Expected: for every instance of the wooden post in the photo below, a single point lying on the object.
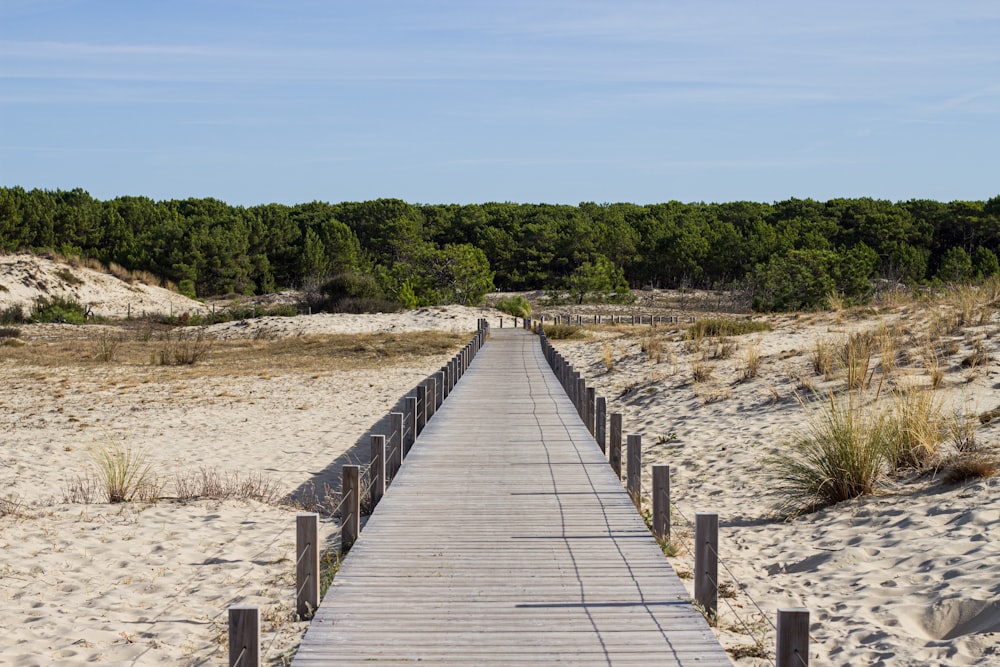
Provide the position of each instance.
(244, 636)
(591, 416)
(792, 643)
(445, 388)
(377, 469)
(601, 423)
(431, 405)
(706, 562)
(395, 446)
(306, 564)
(421, 407)
(409, 424)
(350, 511)
(661, 502)
(615, 445)
(581, 399)
(634, 471)
(439, 389)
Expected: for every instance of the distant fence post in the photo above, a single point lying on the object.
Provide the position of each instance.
(634, 471)
(706, 562)
(615, 445)
(377, 468)
(244, 636)
(421, 407)
(661, 502)
(395, 443)
(350, 511)
(792, 642)
(409, 424)
(601, 423)
(306, 564)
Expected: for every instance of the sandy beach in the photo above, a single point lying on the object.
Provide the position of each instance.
(905, 577)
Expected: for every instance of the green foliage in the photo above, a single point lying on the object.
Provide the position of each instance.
(186, 287)
(407, 296)
(517, 306)
(58, 309)
(599, 281)
(793, 253)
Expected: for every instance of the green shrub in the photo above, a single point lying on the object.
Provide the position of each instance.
(58, 309)
(517, 306)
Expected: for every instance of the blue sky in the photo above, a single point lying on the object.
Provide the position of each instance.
(466, 101)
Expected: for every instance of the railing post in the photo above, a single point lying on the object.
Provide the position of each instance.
(431, 404)
(438, 389)
(661, 502)
(706, 563)
(445, 385)
(306, 564)
(601, 423)
(792, 642)
(591, 398)
(409, 424)
(421, 407)
(615, 445)
(350, 511)
(634, 471)
(244, 636)
(377, 468)
(581, 398)
(395, 446)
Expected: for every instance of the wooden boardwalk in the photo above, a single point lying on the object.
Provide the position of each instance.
(507, 540)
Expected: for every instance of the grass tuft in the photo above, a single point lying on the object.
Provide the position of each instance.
(124, 474)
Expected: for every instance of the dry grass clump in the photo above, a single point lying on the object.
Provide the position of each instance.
(751, 361)
(839, 455)
(822, 357)
(564, 331)
(967, 466)
(855, 359)
(209, 483)
(608, 357)
(652, 346)
(124, 474)
(701, 370)
(933, 365)
(725, 327)
(915, 430)
(182, 349)
(13, 506)
(10, 332)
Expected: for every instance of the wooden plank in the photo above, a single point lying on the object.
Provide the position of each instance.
(506, 539)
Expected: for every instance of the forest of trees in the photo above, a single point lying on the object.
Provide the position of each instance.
(786, 255)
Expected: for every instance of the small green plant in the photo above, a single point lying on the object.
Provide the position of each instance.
(517, 306)
(124, 473)
(58, 309)
(839, 456)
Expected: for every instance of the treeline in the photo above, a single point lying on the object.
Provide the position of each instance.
(786, 255)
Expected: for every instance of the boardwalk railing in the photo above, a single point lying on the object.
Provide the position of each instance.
(792, 629)
(362, 489)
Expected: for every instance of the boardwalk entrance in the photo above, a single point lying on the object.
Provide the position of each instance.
(507, 540)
